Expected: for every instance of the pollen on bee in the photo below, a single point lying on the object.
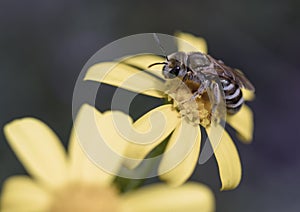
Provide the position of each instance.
(196, 110)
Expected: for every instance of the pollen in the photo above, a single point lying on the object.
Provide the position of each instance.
(82, 197)
(196, 109)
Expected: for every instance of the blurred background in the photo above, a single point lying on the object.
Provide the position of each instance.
(45, 44)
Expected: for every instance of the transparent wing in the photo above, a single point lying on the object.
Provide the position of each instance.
(232, 74)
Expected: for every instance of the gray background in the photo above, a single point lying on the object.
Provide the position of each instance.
(44, 45)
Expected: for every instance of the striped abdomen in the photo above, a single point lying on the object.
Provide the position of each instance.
(233, 96)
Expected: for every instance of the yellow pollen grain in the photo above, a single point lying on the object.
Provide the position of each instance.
(197, 111)
(88, 198)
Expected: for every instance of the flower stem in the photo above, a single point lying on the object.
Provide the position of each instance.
(127, 184)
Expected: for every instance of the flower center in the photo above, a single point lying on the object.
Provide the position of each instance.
(196, 110)
(90, 198)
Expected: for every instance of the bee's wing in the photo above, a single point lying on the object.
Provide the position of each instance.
(242, 80)
(232, 74)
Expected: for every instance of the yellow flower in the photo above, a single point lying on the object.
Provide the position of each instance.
(71, 182)
(127, 74)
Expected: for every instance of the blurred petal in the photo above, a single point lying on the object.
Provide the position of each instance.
(248, 95)
(191, 197)
(242, 122)
(150, 124)
(143, 61)
(181, 155)
(228, 160)
(39, 150)
(82, 168)
(190, 43)
(90, 158)
(126, 77)
(22, 194)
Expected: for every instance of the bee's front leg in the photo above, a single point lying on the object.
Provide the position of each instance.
(202, 88)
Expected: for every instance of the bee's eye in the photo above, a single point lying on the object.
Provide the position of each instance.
(175, 70)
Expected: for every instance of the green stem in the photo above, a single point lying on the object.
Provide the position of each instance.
(127, 184)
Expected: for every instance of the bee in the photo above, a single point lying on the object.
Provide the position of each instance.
(202, 73)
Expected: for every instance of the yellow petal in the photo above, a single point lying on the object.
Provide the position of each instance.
(227, 158)
(248, 95)
(242, 122)
(89, 151)
(190, 43)
(191, 197)
(181, 155)
(143, 61)
(23, 194)
(39, 150)
(126, 77)
(82, 169)
(161, 127)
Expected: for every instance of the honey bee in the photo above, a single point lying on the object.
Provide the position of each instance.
(202, 73)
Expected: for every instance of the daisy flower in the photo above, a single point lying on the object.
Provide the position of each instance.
(182, 151)
(65, 182)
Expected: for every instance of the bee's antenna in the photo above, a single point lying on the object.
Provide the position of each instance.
(160, 46)
(160, 63)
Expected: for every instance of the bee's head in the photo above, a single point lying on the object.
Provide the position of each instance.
(172, 69)
(175, 66)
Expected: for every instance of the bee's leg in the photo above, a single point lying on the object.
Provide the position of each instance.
(199, 92)
(187, 76)
(215, 97)
(203, 86)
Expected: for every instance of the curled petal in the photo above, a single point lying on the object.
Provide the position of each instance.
(242, 122)
(126, 77)
(181, 155)
(228, 160)
(111, 137)
(144, 61)
(190, 197)
(143, 135)
(248, 95)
